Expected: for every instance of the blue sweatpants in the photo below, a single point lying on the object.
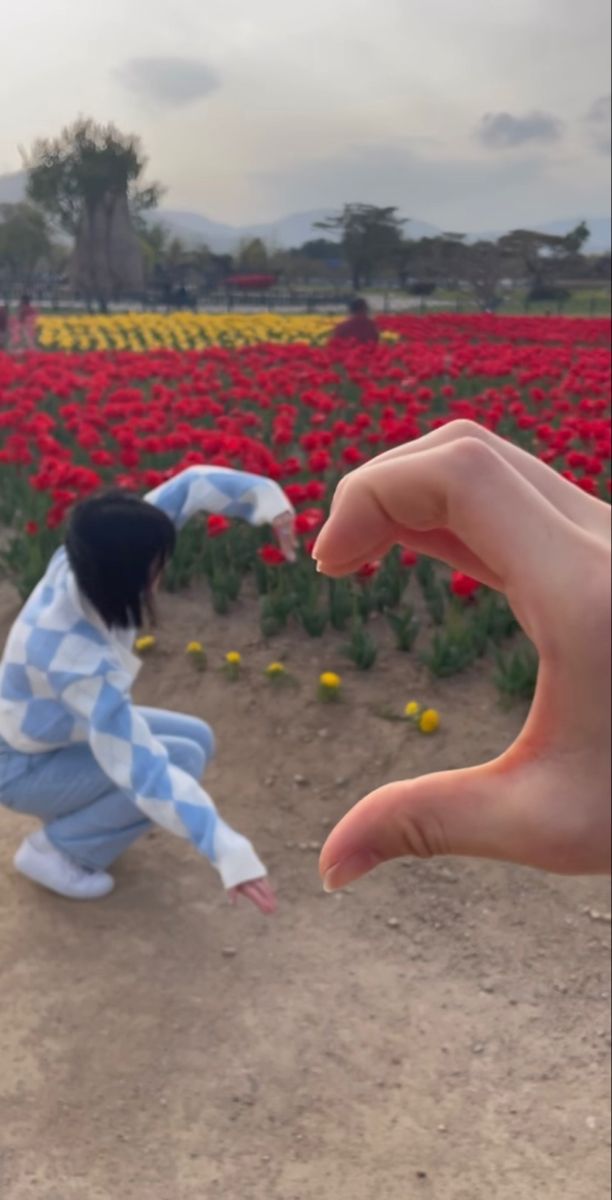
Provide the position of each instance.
(84, 814)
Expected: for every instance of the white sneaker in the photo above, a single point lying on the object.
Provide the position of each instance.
(39, 861)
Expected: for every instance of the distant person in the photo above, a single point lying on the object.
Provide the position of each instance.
(182, 297)
(359, 327)
(4, 322)
(22, 327)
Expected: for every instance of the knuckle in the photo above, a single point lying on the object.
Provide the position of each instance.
(422, 834)
(464, 428)
(471, 458)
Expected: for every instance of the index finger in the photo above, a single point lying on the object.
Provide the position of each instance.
(465, 488)
(591, 514)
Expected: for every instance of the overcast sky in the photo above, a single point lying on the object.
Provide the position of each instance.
(467, 113)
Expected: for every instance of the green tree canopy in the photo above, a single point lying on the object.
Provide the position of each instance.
(370, 237)
(25, 242)
(88, 182)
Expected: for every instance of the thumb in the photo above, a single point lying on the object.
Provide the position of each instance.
(454, 812)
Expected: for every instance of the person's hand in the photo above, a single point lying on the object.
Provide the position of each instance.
(259, 891)
(284, 528)
(484, 506)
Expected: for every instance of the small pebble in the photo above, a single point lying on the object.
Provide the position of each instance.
(300, 780)
(314, 846)
(595, 915)
(393, 923)
(478, 1048)
(229, 951)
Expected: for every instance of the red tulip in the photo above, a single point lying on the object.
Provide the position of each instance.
(463, 585)
(216, 525)
(309, 520)
(368, 570)
(271, 555)
(319, 461)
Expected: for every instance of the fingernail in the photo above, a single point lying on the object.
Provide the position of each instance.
(318, 566)
(349, 869)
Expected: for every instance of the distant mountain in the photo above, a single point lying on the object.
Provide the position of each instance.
(193, 228)
(289, 231)
(297, 228)
(600, 228)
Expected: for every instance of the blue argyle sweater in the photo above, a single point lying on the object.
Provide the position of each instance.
(66, 678)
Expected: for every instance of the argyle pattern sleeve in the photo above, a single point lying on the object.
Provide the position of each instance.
(138, 763)
(222, 491)
(66, 679)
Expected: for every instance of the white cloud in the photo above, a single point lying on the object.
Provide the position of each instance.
(173, 81)
(506, 131)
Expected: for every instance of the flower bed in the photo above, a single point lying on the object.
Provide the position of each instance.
(304, 413)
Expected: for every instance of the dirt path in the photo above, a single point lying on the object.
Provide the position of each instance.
(159, 1046)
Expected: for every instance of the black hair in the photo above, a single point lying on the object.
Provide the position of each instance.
(116, 545)
(358, 306)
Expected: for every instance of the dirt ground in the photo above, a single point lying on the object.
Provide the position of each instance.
(161, 1046)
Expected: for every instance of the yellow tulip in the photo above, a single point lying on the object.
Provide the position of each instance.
(429, 721)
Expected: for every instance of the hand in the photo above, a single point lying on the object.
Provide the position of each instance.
(284, 528)
(259, 891)
(489, 509)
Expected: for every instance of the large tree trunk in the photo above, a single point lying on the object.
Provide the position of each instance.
(107, 261)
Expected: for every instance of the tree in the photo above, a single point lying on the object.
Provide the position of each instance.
(320, 250)
(577, 238)
(370, 236)
(432, 261)
(87, 180)
(253, 256)
(484, 267)
(153, 244)
(25, 243)
(170, 264)
(543, 256)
